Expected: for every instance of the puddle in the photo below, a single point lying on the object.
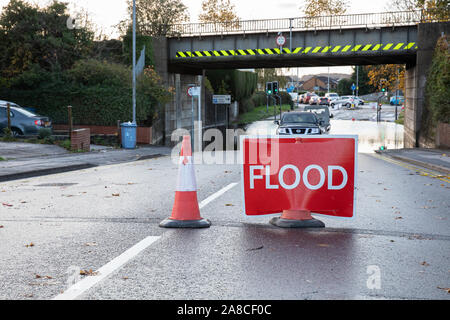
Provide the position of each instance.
(372, 135)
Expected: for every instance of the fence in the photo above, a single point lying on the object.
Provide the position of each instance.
(366, 20)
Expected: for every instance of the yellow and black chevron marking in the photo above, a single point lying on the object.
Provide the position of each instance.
(300, 50)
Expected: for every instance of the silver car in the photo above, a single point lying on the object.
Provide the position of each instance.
(23, 122)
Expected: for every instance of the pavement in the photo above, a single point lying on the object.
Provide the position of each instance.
(434, 159)
(25, 160)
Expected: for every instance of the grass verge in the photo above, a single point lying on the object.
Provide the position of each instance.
(259, 113)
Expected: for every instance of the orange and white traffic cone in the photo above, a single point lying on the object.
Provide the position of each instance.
(185, 212)
(296, 219)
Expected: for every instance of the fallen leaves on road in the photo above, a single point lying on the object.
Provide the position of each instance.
(229, 205)
(90, 244)
(43, 277)
(424, 263)
(31, 244)
(253, 249)
(1, 227)
(116, 194)
(417, 237)
(7, 204)
(445, 289)
(88, 272)
(323, 245)
(398, 218)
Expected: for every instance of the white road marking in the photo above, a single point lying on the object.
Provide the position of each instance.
(83, 285)
(217, 194)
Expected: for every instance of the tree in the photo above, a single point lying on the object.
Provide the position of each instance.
(31, 36)
(433, 9)
(344, 87)
(270, 75)
(217, 11)
(389, 73)
(363, 80)
(315, 8)
(156, 17)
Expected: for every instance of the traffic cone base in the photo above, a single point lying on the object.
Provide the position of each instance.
(172, 223)
(296, 219)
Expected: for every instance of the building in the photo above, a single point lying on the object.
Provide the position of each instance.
(319, 84)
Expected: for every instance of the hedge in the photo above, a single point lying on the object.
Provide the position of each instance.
(239, 84)
(100, 94)
(438, 83)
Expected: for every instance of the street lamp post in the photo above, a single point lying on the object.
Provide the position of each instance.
(134, 61)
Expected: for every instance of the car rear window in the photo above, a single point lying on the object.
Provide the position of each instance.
(24, 112)
(299, 117)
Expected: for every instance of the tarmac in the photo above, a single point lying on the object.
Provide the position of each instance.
(25, 160)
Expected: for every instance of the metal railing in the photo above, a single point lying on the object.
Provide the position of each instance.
(367, 20)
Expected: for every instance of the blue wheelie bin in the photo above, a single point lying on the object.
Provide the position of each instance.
(128, 130)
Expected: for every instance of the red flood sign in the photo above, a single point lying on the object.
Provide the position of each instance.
(314, 173)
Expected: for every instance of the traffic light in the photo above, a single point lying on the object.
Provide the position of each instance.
(275, 87)
(269, 88)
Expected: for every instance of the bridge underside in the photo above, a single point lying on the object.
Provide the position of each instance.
(196, 65)
(359, 46)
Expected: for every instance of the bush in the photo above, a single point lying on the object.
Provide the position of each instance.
(438, 83)
(99, 93)
(239, 84)
(286, 98)
(259, 99)
(44, 133)
(246, 105)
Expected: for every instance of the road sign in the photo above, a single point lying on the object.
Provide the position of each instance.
(281, 40)
(221, 99)
(193, 91)
(353, 87)
(311, 173)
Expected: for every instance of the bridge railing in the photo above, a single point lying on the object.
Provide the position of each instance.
(368, 20)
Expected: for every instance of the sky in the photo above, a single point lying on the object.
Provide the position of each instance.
(107, 13)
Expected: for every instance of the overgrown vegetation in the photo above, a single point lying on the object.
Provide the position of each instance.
(45, 65)
(239, 84)
(437, 91)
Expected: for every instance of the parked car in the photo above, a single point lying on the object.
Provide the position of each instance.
(397, 100)
(358, 100)
(323, 101)
(300, 98)
(23, 122)
(307, 96)
(345, 101)
(331, 96)
(314, 99)
(299, 122)
(323, 114)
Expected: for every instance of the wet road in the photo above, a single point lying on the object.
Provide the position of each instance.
(84, 220)
(371, 135)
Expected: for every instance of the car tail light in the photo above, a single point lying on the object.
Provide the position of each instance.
(39, 122)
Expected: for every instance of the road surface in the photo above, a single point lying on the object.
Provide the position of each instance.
(106, 219)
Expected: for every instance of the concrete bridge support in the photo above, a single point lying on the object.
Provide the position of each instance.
(177, 112)
(415, 81)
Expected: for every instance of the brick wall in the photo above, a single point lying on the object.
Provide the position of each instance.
(81, 140)
(144, 134)
(443, 135)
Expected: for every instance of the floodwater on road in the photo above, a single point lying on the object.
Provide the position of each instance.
(371, 135)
